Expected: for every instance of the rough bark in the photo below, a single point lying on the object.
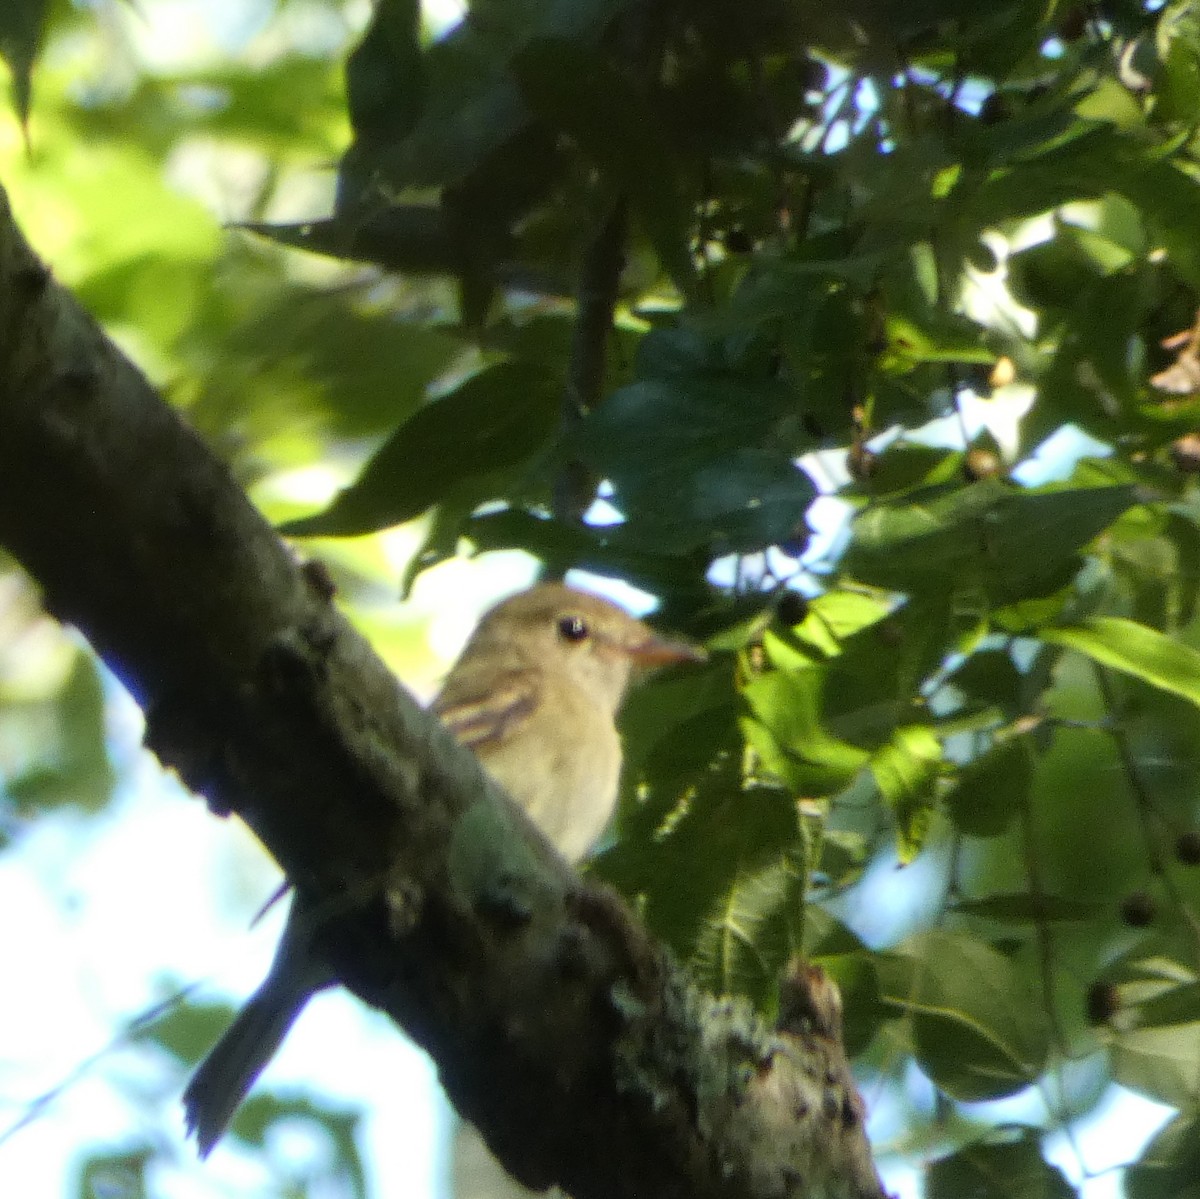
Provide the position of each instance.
(576, 1045)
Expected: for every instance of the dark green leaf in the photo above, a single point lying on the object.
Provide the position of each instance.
(751, 500)
(495, 422)
(22, 24)
(858, 983)
(722, 880)
(990, 677)
(1169, 1167)
(471, 102)
(1006, 543)
(577, 91)
(697, 463)
(753, 930)
(997, 1171)
(411, 238)
(1176, 1005)
(978, 1030)
(991, 791)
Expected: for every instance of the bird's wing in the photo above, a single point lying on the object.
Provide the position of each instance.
(483, 716)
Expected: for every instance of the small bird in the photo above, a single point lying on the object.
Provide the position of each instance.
(535, 694)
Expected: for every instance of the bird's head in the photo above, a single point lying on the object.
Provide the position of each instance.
(597, 644)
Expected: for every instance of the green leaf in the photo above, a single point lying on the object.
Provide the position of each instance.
(22, 25)
(122, 1173)
(254, 1119)
(657, 426)
(575, 90)
(752, 499)
(990, 677)
(997, 1171)
(494, 422)
(1008, 543)
(1176, 1005)
(411, 238)
(67, 760)
(563, 546)
(787, 703)
(190, 1030)
(1133, 648)
(656, 710)
(699, 463)
(1162, 1063)
(721, 879)
(753, 929)
(470, 102)
(1169, 1167)
(837, 615)
(904, 771)
(977, 1028)
(991, 791)
(858, 982)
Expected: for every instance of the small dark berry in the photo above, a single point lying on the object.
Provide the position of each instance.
(792, 608)
(1073, 24)
(995, 109)
(1187, 847)
(738, 241)
(1103, 1002)
(1138, 909)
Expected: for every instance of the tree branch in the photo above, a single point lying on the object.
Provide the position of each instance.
(582, 1053)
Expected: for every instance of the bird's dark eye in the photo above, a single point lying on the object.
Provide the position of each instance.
(573, 628)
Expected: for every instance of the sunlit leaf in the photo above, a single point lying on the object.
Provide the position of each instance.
(787, 704)
(1133, 648)
(904, 770)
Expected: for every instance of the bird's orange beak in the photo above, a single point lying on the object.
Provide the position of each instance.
(659, 651)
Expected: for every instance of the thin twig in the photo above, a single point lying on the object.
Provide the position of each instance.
(1145, 807)
(131, 1032)
(1057, 1101)
(596, 300)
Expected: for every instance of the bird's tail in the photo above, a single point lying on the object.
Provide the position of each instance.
(225, 1076)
